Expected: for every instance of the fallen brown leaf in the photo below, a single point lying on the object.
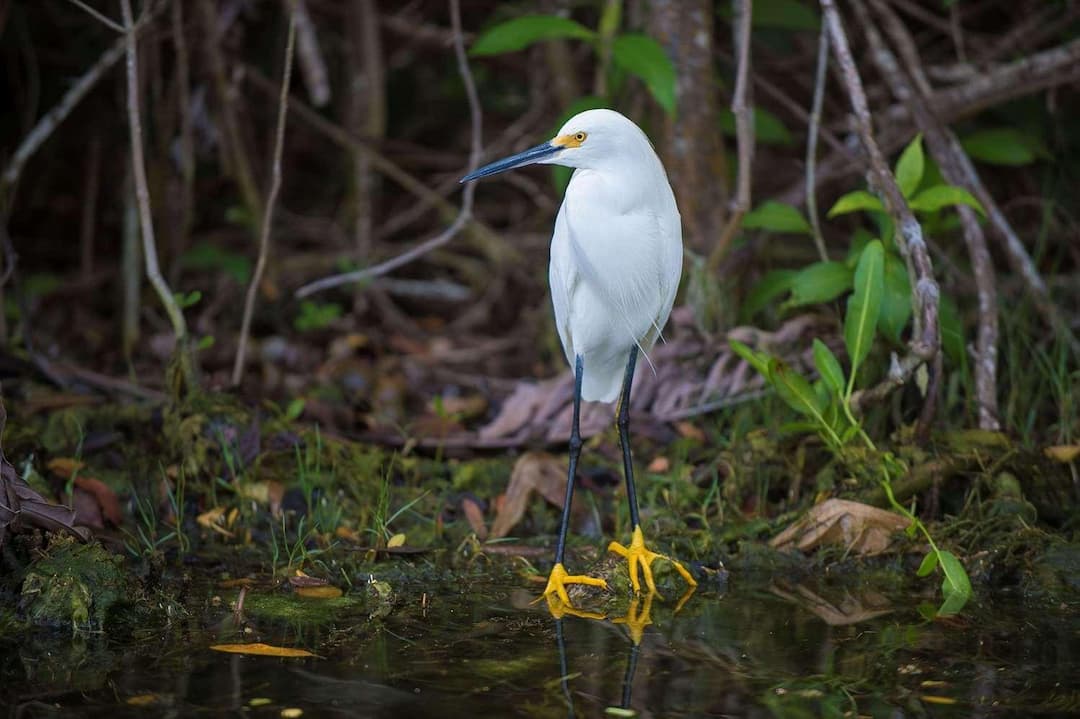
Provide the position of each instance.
(105, 496)
(475, 516)
(64, 467)
(321, 592)
(660, 465)
(689, 430)
(862, 529)
(304, 580)
(533, 472)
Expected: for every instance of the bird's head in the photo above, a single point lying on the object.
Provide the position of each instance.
(587, 140)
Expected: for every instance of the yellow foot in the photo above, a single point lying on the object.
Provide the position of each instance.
(557, 581)
(636, 620)
(637, 554)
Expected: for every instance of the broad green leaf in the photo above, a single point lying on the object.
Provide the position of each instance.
(909, 168)
(956, 586)
(819, 282)
(864, 306)
(519, 33)
(828, 366)
(757, 360)
(929, 563)
(796, 391)
(642, 56)
(855, 201)
(860, 238)
(895, 299)
(768, 128)
(560, 176)
(934, 198)
(783, 15)
(952, 331)
(768, 288)
(1004, 146)
(776, 217)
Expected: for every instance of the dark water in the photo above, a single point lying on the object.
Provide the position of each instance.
(483, 650)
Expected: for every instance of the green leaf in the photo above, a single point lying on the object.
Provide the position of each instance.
(934, 198)
(783, 15)
(768, 288)
(205, 256)
(895, 299)
(909, 168)
(929, 563)
(796, 391)
(776, 217)
(819, 282)
(864, 306)
(1004, 146)
(855, 201)
(828, 366)
(956, 586)
(642, 56)
(757, 360)
(519, 33)
(768, 128)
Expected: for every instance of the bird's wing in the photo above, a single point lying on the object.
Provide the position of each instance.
(626, 259)
(561, 277)
(671, 264)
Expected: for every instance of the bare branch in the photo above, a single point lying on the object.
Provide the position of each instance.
(309, 56)
(104, 20)
(820, 78)
(744, 132)
(271, 199)
(142, 195)
(467, 195)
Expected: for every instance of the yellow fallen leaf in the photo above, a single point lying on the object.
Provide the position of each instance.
(292, 713)
(1064, 453)
(142, 700)
(931, 699)
(398, 540)
(64, 467)
(347, 534)
(260, 702)
(262, 650)
(324, 592)
(212, 519)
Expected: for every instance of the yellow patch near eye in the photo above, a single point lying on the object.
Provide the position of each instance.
(572, 140)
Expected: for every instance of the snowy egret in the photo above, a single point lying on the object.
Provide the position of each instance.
(616, 260)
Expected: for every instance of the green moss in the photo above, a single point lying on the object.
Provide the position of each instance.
(74, 584)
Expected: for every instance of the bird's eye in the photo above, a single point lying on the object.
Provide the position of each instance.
(580, 137)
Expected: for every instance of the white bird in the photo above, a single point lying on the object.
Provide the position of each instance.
(616, 261)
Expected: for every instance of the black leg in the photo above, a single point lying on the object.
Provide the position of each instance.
(624, 438)
(564, 672)
(575, 452)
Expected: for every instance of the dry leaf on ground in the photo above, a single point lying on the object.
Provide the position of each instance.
(475, 515)
(262, 650)
(534, 472)
(862, 529)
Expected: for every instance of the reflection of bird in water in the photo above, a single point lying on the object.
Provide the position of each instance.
(616, 260)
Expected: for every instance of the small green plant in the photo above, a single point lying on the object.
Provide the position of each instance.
(147, 539)
(875, 275)
(316, 315)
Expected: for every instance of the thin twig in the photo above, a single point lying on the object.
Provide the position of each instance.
(271, 199)
(925, 341)
(309, 56)
(142, 195)
(946, 150)
(820, 78)
(104, 20)
(187, 125)
(744, 132)
(467, 195)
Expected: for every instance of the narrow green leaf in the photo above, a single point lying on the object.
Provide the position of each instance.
(783, 15)
(909, 168)
(934, 198)
(796, 391)
(642, 56)
(828, 366)
(895, 299)
(519, 33)
(776, 217)
(1004, 146)
(765, 290)
(819, 282)
(758, 360)
(855, 201)
(864, 306)
(929, 563)
(952, 331)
